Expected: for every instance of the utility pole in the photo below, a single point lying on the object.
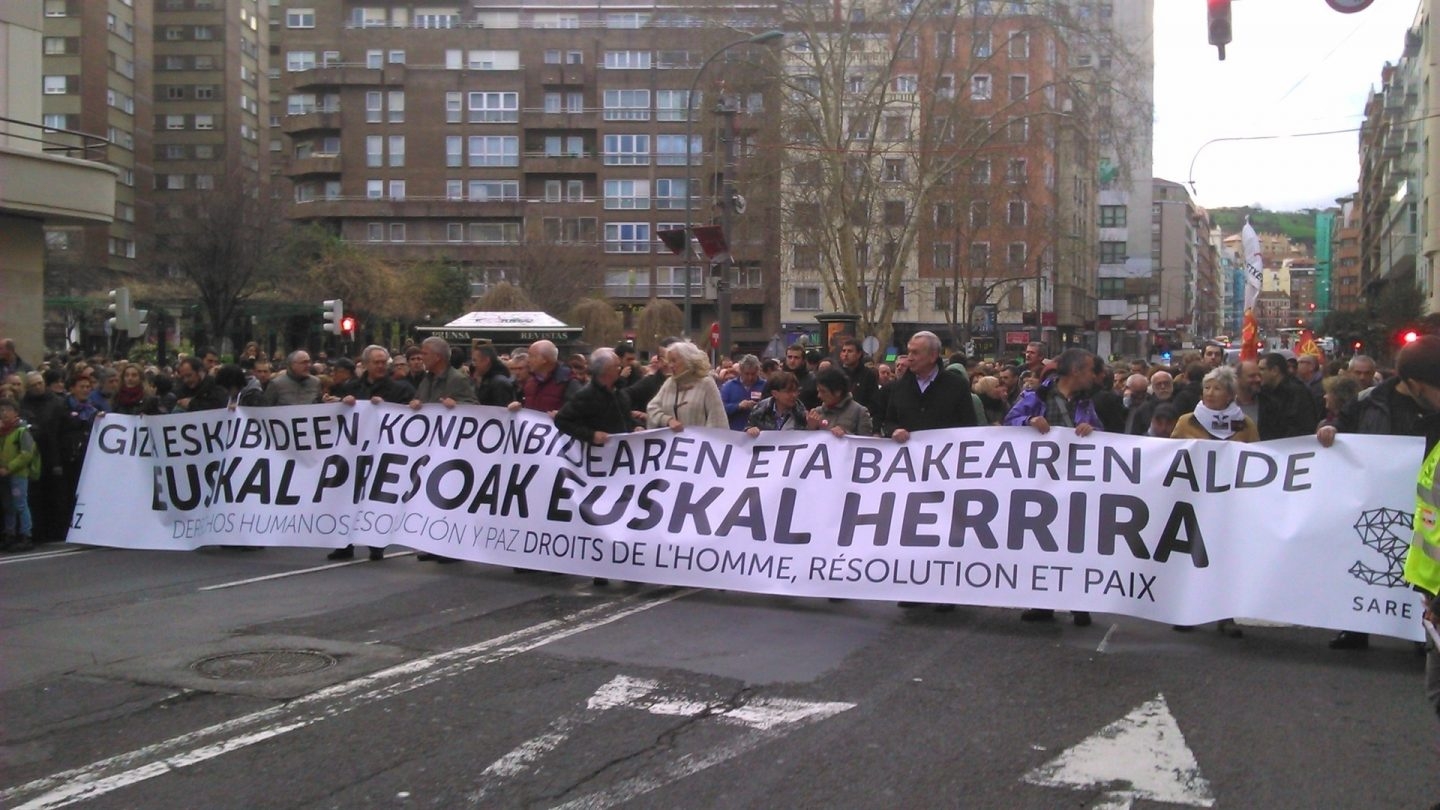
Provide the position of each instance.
(726, 109)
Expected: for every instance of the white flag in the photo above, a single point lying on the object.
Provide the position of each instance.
(1254, 263)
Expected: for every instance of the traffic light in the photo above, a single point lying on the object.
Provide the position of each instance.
(119, 309)
(1218, 12)
(347, 326)
(1408, 336)
(136, 324)
(333, 310)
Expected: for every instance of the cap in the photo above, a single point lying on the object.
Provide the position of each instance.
(1420, 360)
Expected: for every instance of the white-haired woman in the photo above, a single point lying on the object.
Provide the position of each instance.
(689, 396)
(1217, 418)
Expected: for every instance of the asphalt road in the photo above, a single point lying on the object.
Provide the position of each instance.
(180, 680)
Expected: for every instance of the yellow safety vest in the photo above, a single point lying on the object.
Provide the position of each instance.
(1422, 563)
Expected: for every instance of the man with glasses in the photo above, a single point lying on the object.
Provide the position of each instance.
(1162, 389)
(297, 386)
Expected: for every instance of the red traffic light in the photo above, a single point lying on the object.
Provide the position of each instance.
(1409, 336)
(1357, 345)
(1218, 14)
(347, 325)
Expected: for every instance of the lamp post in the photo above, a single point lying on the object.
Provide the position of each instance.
(758, 39)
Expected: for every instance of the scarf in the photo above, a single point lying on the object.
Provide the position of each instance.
(83, 411)
(129, 396)
(1220, 424)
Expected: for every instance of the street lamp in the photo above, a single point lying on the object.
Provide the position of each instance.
(759, 39)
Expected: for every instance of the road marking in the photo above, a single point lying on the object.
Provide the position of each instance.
(765, 719)
(1105, 642)
(119, 771)
(237, 583)
(35, 556)
(1140, 756)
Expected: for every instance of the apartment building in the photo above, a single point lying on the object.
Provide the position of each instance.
(95, 78)
(210, 109)
(1345, 278)
(938, 175)
(531, 143)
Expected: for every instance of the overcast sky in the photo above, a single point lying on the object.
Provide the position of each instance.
(1294, 66)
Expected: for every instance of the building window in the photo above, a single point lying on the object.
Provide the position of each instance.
(454, 151)
(374, 151)
(397, 151)
(300, 18)
(628, 150)
(627, 60)
(204, 121)
(397, 232)
(174, 122)
(627, 105)
(670, 194)
(175, 182)
(494, 190)
(945, 45)
(1016, 213)
(942, 255)
(942, 298)
(670, 150)
(627, 237)
(299, 60)
(494, 108)
(495, 233)
(906, 83)
(1019, 45)
(395, 57)
(893, 170)
(895, 128)
(396, 103)
(980, 87)
(980, 257)
(54, 45)
(374, 59)
(205, 182)
(55, 85)
(1112, 216)
(454, 189)
(494, 150)
(805, 298)
(373, 108)
(1019, 87)
(1112, 253)
(1015, 255)
(454, 101)
(374, 189)
(1015, 172)
(980, 46)
(375, 232)
(397, 189)
(205, 92)
(627, 194)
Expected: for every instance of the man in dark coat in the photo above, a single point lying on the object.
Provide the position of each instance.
(599, 409)
(924, 398)
(1286, 405)
(864, 385)
(373, 382)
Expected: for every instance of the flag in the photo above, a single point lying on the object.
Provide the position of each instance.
(1306, 344)
(674, 240)
(1254, 261)
(712, 242)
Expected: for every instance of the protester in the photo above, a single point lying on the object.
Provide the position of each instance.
(297, 386)
(924, 398)
(782, 409)
(445, 385)
(19, 465)
(863, 382)
(689, 396)
(549, 384)
(743, 393)
(1060, 401)
(839, 411)
(1287, 408)
(493, 385)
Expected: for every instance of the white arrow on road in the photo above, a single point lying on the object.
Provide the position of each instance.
(1140, 756)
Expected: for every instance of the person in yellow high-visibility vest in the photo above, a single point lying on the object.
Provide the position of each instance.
(1419, 366)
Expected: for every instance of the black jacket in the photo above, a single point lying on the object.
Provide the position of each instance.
(1382, 411)
(387, 388)
(595, 408)
(643, 390)
(864, 384)
(945, 403)
(1287, 410)
(495, 388)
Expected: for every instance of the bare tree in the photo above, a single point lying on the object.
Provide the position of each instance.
(321, 265)
(557, 274)
(227, 249)
(921, 153)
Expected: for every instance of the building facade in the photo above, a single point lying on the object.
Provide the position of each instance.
(535, 144)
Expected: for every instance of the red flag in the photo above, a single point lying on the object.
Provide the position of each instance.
(1250, 337)
(712, 242)
(1306, 344)
(674, 239)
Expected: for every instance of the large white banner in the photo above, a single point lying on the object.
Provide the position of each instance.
(1182, 532)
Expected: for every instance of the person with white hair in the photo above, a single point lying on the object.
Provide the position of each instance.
(442, 383)
(689, 396)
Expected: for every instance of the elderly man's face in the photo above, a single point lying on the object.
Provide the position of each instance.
(1306, 366)
(376, 364)
(1162, 385)
(749, 375)
(300, 365)
(1363, 372)
(922, 356)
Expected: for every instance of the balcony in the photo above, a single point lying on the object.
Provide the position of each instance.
(567, 74)
(314, 164)
(542, 163)
(305, 122)
(410, 207)
(337, 76)
(537, 118)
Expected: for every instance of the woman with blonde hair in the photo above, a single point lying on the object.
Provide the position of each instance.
(689, 396)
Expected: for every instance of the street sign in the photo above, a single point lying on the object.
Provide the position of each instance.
(715, 335)
(870, 344)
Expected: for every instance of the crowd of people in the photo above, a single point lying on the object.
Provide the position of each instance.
(47, 412)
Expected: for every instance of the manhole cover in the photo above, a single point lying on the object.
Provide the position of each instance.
(262, 664)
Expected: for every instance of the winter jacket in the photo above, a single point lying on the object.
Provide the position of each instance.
(1047, 401)
(19, 453)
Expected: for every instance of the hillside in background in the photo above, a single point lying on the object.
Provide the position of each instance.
(1298, 225)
